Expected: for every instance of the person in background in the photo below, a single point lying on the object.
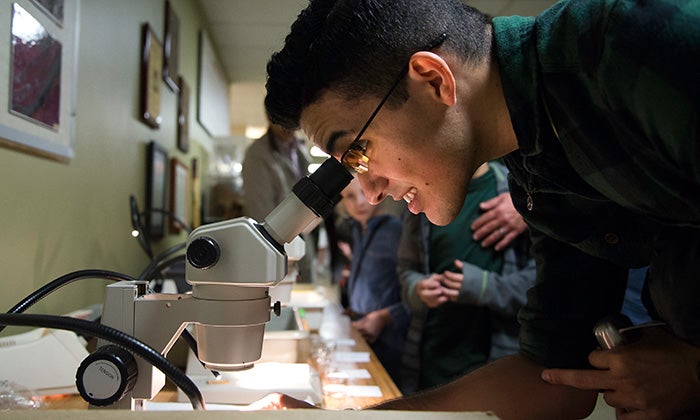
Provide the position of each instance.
(593, 105)
(271, 167)
(464, 297)
(373, 288)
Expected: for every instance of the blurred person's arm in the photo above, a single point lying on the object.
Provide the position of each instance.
(504, 293)
(411, 264)
(372, 324)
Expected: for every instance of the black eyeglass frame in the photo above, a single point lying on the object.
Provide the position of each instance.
(356, 150)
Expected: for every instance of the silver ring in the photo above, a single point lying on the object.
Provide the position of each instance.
(501, 231)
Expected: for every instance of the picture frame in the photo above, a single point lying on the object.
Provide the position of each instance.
(53, 8)
(39, 117)
(179, 195)
(156, 190)
(171, 48)
(151, 70)
(183, 116)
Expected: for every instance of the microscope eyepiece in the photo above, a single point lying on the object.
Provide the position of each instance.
(321, 190)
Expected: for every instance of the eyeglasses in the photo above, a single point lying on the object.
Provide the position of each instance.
(354, 158)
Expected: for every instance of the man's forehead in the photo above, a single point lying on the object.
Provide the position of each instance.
(326, 121)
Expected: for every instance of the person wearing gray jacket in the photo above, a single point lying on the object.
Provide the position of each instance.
(464, 296)
(272, 165)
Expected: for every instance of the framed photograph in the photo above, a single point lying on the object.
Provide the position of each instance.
(179, 195)
(39, 80)
(183, 117)
(151, 70)
(171, 48)
(156, 189)
(54, 8)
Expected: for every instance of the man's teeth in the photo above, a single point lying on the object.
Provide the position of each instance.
(410, 195)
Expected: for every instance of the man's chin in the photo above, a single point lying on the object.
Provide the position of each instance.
(439, 218)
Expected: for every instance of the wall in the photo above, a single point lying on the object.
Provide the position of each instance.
(57, 218)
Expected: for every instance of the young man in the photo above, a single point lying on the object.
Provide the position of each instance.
(594, 106)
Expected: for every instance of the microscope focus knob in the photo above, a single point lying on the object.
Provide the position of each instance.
(203, 252)
(106, 376)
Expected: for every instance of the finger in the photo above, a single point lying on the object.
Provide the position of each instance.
(489, 204)
(494, 236)
(427, 285)
(506, 240)
(451, 293)
(432, 291)
(600, 358)
(452, 276)
(581, 379)
(480, 225)
(451, 286)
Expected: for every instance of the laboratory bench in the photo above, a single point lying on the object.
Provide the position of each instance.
(318, 308)
(378, 378)
(322, 319)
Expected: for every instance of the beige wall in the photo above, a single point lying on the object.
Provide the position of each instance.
(56, 218)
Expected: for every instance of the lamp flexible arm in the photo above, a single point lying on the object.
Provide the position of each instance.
(118, 337)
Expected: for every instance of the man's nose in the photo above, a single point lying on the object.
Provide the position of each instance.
(373, 187)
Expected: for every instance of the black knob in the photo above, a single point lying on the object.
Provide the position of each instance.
(106, 376)
(203, 252)
(277, 308)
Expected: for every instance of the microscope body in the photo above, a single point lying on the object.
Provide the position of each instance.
(228, 317)
(231, 265)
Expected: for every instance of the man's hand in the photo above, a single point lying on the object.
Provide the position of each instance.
(345, 248)
(372, 324)
(430, 290)
(499, 224)
(453, 282)
(277, 401)
(654, 378)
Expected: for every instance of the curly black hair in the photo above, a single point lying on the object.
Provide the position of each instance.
(358, 47)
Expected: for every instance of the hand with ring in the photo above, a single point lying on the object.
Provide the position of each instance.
(499, 224)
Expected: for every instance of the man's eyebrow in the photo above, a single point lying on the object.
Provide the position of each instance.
(330, 144)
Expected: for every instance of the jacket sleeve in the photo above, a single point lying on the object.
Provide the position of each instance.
(410, 263)
(504, 293)
(572, 292)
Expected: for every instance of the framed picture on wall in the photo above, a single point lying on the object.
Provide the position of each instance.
(156, 189)
(40, 48)
(179, 195)
(53, 8)
(171, 48)
(151, 70)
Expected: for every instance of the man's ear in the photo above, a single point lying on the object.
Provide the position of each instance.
(430, 68)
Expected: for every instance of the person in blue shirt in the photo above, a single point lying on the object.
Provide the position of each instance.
(373, 288)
